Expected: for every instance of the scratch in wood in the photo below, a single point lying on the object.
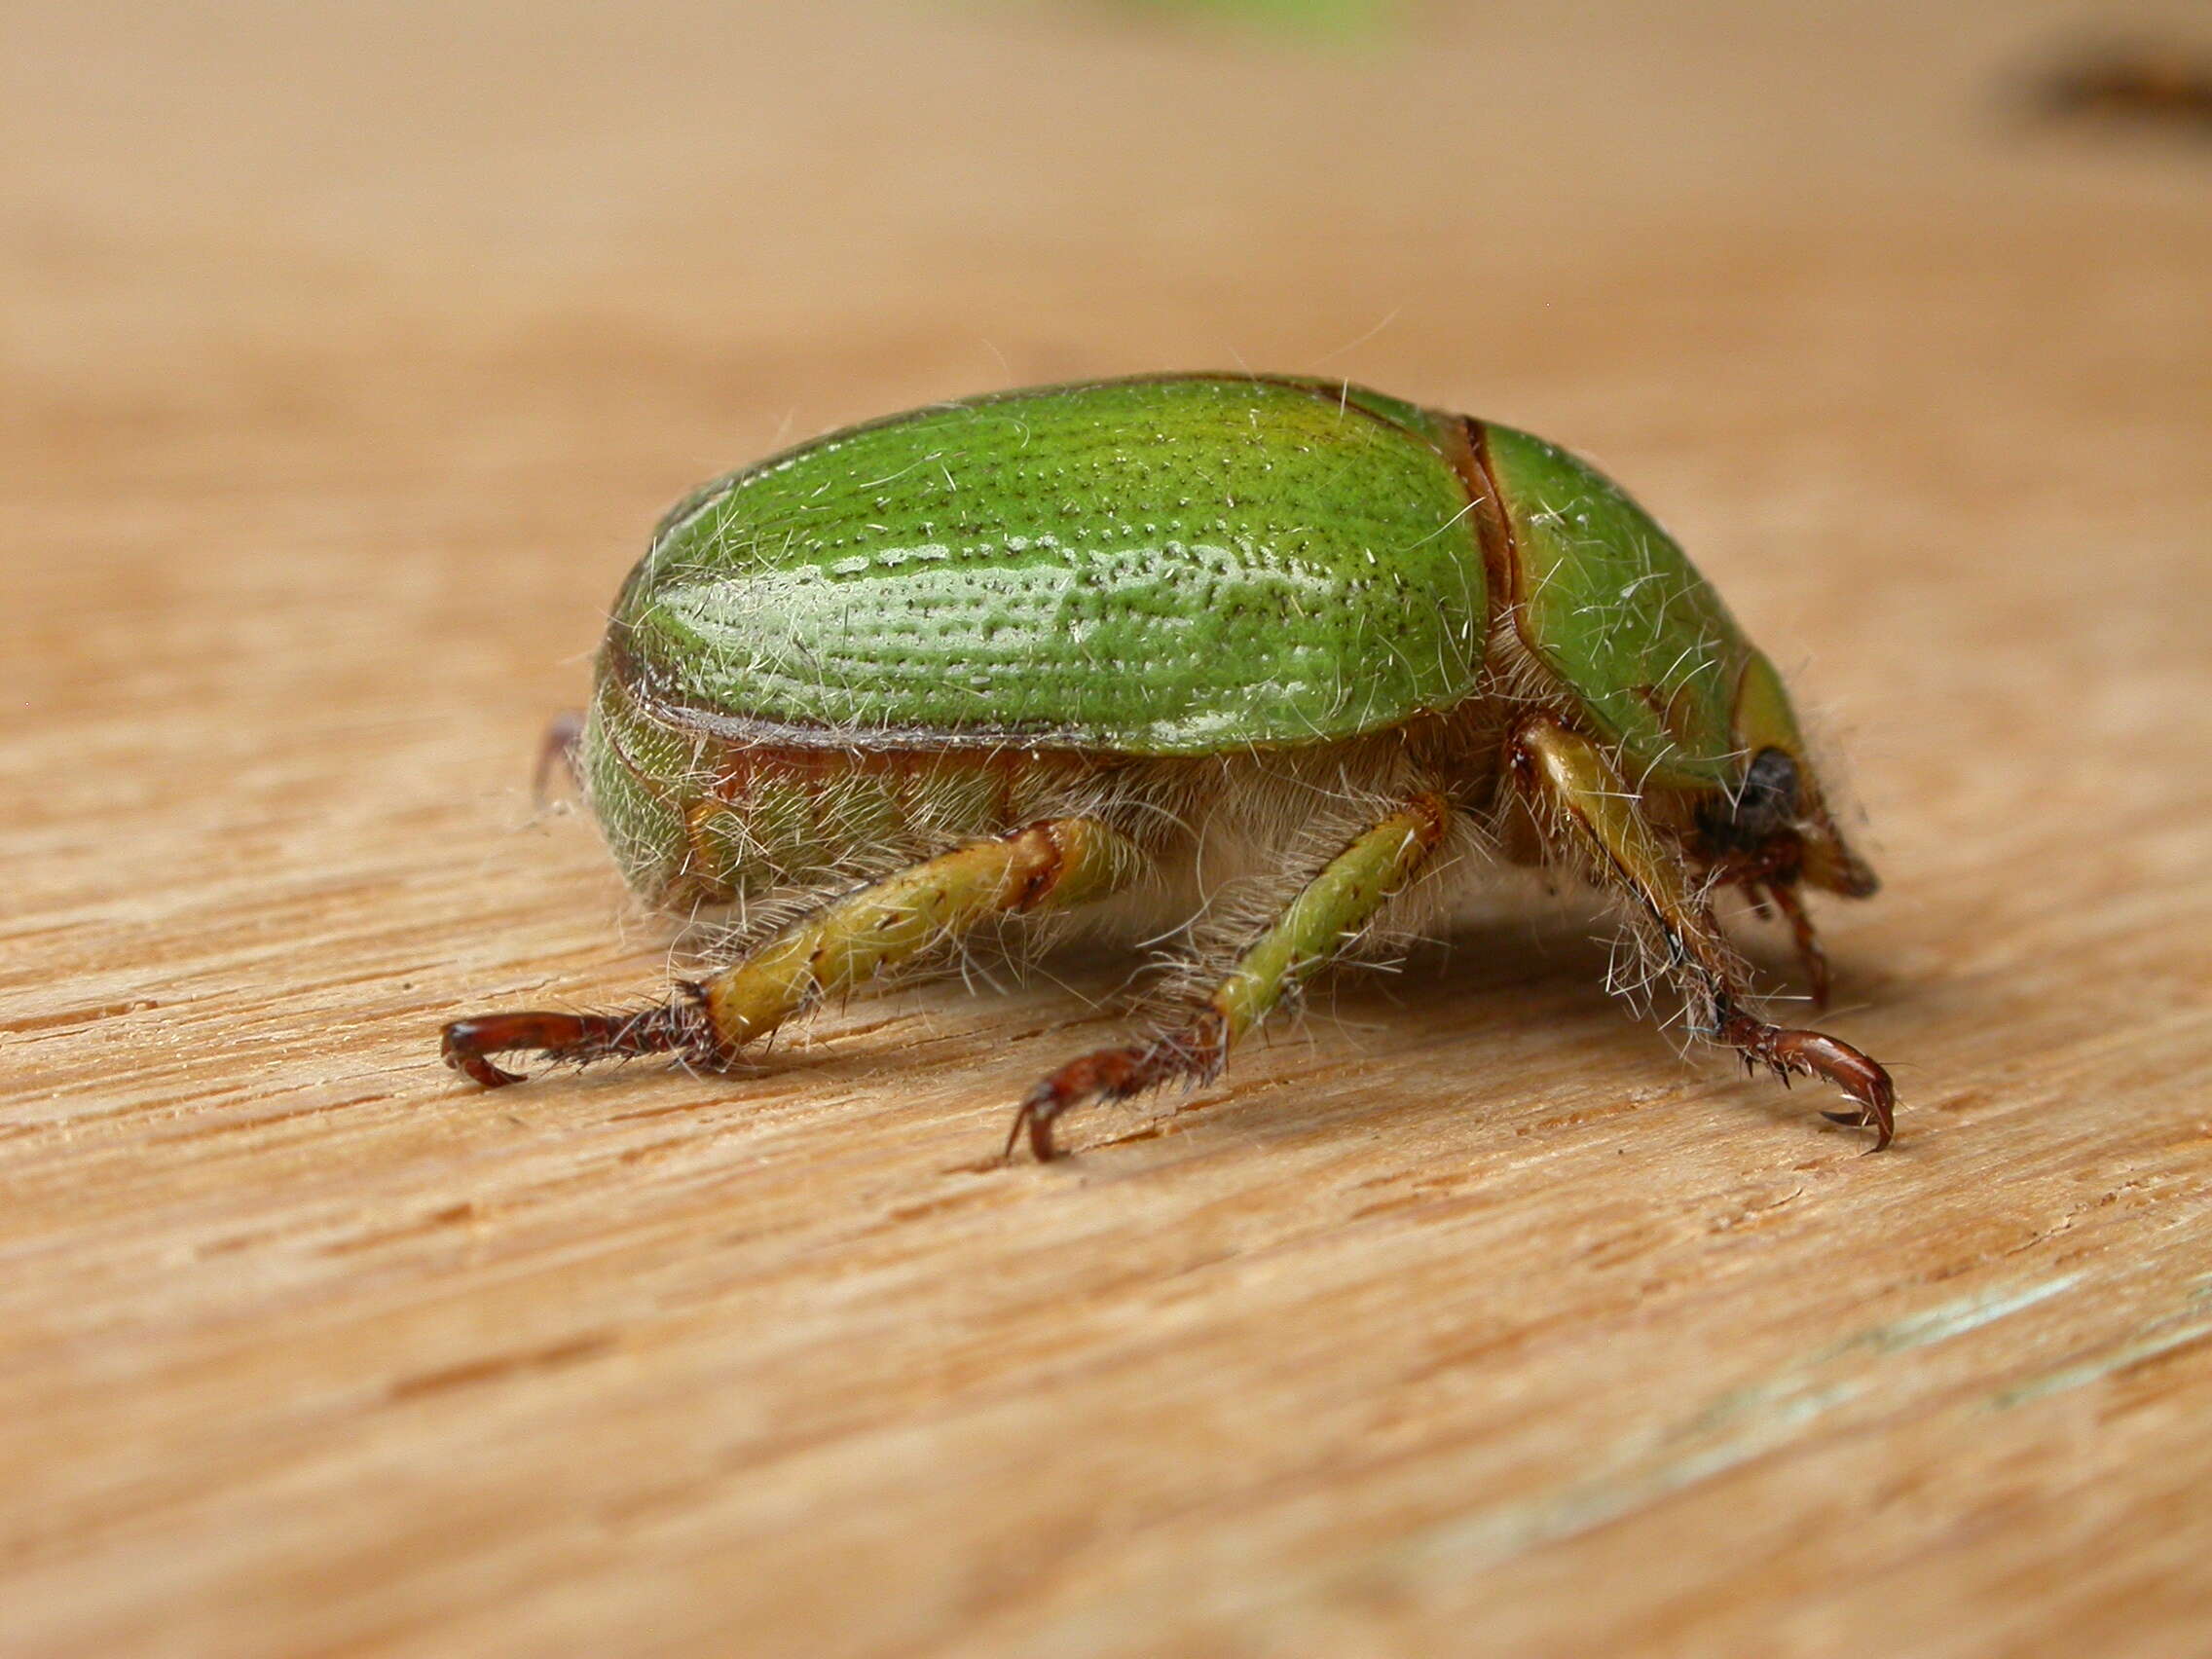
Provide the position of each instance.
(1733, 1428)
(1951, 1319)
(498, 1366)
(71, 1017)
(196, 1132)
(2113, 1362)
(1640, 1475)
(433, 1222)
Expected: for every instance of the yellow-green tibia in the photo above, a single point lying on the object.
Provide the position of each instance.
(1314, 927)
(1595, 804)
(1048, 865)
(1334, 905)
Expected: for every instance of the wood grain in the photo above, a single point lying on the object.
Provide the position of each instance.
(346, 356)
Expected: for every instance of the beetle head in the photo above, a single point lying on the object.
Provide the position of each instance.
(1777, 819)
(1608, 603)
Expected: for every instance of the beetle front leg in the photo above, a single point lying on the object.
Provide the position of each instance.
(925, 909)
(1328, 914)
(1578, 793)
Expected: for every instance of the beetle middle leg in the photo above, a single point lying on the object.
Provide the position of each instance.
(1577, 789)
(1810, 956)
(1325, 916)
(929, 906)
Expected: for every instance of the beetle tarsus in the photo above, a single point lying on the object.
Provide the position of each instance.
(465, 1047)
(576, 1039)
(1816, 1054)
(1197, 1052)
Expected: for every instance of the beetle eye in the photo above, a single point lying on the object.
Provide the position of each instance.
(1768, 801)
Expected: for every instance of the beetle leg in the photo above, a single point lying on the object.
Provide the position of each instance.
(1576, 788)
(575, 1037)
(927, 906)
(1761, 907)
(559, 746)
(1326, 915)
(1792, 904)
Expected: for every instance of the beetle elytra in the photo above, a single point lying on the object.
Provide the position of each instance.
(1280, 659)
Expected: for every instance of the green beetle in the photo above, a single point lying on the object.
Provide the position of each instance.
(1272, 660)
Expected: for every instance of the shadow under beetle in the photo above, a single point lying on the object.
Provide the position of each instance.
(1270, 662)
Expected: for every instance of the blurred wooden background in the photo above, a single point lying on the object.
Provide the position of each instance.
(346, 353)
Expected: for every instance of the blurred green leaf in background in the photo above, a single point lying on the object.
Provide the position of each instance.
(1340, 17)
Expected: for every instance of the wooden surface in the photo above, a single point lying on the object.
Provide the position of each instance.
(346, 356)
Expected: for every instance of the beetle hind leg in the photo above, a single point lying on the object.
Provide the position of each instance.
(561, 749)
(1580, 796)
(679, 1024)
(1324, 917)
(909, 917)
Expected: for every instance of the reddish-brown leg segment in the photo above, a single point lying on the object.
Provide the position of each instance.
(1197, 1052)
(679, 1024)
(1791, 902)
